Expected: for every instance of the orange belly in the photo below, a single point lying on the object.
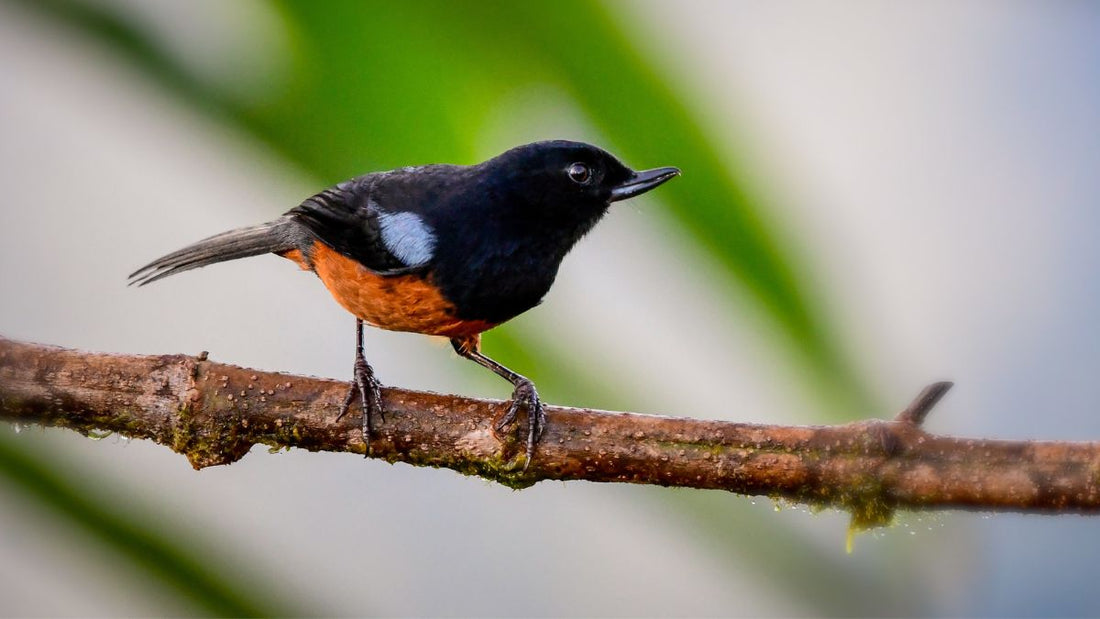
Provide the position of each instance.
(398, 303)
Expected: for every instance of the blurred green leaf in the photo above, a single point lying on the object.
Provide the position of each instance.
(149, 548)
(648, 122)
(376, 85)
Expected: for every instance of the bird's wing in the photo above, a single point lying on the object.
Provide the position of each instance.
(346, 218)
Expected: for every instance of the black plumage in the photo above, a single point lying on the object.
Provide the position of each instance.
(472, 246)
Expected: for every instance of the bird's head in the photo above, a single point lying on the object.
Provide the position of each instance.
(565, 181)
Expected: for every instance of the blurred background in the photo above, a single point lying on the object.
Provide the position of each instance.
(875, 196)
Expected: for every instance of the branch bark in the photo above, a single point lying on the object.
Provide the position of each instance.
(214, 413)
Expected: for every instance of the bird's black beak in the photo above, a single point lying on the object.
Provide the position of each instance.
(642, 182)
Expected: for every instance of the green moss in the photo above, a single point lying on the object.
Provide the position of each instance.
(505, 471)
(215, 440)
(120, 420)
(869, 508)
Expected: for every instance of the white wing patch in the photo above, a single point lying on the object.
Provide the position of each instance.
(407, 237)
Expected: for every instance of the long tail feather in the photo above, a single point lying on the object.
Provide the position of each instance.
(273, 236)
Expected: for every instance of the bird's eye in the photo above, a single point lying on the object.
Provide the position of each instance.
(579, 173)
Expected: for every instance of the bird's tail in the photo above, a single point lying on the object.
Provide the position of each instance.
(271, 237)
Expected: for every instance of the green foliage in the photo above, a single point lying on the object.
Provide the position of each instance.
(375, 85)
(148, 547)
(379, 85)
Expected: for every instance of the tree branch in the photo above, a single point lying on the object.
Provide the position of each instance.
(214, 413)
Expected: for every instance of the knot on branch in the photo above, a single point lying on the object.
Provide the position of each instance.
(207, 440)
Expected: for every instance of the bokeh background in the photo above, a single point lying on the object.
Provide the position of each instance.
(875, 196)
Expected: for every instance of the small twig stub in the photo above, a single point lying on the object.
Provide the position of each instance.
(919, 408)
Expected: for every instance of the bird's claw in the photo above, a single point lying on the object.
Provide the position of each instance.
(369, 389)
(526, 397)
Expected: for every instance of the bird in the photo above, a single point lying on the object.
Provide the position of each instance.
(440, 249)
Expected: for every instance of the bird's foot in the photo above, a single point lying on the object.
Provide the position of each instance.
(369, 390)
(526, 397)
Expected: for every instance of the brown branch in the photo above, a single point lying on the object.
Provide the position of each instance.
(214, 413)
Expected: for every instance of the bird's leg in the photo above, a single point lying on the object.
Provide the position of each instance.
(366, 386)
(523, 396)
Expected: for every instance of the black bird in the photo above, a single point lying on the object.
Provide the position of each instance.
(439, 249)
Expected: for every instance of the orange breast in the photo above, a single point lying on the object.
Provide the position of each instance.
(399, 303)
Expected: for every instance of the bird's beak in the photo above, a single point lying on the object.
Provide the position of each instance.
(642, 182)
